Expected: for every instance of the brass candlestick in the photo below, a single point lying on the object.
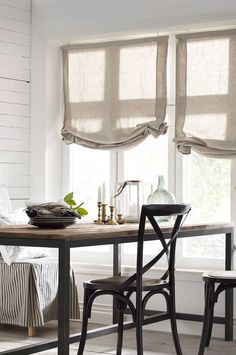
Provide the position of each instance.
(111, 218)
(119, 219)
(104, 213)
(99, 221)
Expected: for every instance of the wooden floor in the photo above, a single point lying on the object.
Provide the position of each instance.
(154, 342)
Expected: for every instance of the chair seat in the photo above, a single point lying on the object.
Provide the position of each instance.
(226, 275)
(114, 282)
(216, 282)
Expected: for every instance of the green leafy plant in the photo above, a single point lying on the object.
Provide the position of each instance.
(69, 200)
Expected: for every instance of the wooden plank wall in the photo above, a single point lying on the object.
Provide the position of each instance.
(15, 30)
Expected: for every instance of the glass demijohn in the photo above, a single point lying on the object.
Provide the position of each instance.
(161, 196)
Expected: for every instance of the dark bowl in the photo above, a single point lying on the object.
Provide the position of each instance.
(53, 222)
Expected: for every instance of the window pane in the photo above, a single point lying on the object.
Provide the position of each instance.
(151, 248)
(207, 189)
(198, 125)
(147, 160)
(211, 247)
(127, 122)
(137, 72)
(89, 168)
(208, 67)
(87, 76)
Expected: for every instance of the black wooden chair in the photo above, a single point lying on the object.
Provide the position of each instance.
(224, 280)
(123, 287)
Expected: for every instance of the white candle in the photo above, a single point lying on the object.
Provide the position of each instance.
(104, 192)
(99, 193)
(112, 201)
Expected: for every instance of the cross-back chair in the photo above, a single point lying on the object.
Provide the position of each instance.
(121, 288)
(224, 280)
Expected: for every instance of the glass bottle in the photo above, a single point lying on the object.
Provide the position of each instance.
(161, 196)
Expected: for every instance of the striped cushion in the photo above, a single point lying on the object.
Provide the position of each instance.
(29, 290)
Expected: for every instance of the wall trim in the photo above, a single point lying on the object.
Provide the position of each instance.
(190, 275)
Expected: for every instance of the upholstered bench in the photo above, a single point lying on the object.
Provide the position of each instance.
(29, 281)
(28, 293)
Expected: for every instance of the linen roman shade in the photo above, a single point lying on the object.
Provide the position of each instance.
(206, 93)
(114, 92)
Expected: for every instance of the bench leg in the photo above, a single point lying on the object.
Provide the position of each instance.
(31, 331)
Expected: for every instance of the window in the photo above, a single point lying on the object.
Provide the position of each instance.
(114, 92)
(203, 182)
(204, 122)
(206, 186)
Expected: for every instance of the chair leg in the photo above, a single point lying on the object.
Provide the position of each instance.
(139, 323)
(207, 319)
(121, 307)
(208, 339)
(86, 315)
(172, 313)
(139, 338)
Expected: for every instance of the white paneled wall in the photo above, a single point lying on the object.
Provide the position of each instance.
(15, 35)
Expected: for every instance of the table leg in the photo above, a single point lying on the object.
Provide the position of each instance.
(116, 272)
(63, 299)
(229, 258)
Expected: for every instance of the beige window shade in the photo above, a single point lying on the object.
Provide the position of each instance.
(206, 93)
(114, 93)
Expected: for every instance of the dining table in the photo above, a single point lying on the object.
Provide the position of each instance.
(90, 234)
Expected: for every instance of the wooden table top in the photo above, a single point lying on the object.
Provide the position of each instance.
(83, 231)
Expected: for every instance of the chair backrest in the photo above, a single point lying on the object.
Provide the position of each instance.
(149, 212)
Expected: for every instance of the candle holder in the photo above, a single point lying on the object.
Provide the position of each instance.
(99, 220)
(120, 219)
(111, 220)
(104, 213)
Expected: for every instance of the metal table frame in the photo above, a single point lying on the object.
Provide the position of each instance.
(64, 245)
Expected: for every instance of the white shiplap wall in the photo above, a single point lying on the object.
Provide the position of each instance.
(15, 34)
